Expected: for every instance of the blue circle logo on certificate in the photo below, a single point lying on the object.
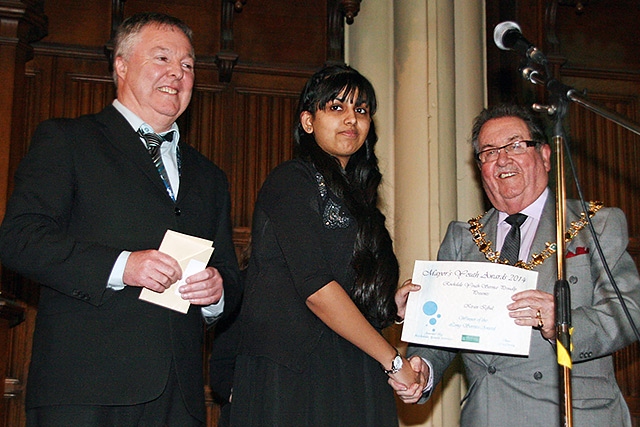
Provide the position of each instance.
(430, 308)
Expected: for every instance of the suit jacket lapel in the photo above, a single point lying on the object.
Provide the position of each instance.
(546, 232)
(490, 227)
(119, 133)
(186, 176)
(548, 272)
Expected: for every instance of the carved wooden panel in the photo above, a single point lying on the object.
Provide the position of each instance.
(292, 33)
(606, 158)
(203, 16)
(605, 154)
(264, 140)
(627, 364)
(11, 314)
(246, 129)
(86, 93)
(19, 357)
(603, 35)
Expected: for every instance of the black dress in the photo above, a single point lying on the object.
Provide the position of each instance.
(292, 369)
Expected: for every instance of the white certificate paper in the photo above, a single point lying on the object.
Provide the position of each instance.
(464, 305)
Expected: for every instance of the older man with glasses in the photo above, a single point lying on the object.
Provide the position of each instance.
(514, 161)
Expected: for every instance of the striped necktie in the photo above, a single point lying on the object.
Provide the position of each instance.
(154, 141)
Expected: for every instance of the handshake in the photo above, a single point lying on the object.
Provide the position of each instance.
(414, 381)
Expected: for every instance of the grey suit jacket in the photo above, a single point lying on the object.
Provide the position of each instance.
(509, 390)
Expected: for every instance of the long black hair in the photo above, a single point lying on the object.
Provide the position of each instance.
(374, 261)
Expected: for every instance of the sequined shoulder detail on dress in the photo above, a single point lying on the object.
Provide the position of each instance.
(333, 215)
(322, 186)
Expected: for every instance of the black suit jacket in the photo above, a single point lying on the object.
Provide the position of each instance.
(86, 191)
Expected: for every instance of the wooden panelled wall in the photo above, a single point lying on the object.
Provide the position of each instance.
(253, 58)
(593, 46)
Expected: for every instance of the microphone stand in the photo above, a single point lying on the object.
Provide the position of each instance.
(560, 95)
(562, 292)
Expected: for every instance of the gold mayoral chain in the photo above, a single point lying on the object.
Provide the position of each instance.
(479, 237)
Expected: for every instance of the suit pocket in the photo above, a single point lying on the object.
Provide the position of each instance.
(591, 392)
(579, 277)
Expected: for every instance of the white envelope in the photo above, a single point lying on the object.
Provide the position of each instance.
(193, 254)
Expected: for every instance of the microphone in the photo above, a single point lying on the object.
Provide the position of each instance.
(508, 36)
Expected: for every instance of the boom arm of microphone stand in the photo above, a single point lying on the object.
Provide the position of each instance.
(571, 94)
(574, 96)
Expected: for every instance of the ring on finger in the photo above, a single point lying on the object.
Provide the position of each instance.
(539, 317)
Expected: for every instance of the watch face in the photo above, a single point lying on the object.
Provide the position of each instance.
(397, 364)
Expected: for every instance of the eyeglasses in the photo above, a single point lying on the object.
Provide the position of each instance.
(516, 147)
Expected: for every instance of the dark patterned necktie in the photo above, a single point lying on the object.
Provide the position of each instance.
(154, 141)
(511, 246)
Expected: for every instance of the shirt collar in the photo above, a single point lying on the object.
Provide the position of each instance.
(534, 210)
(137, 123)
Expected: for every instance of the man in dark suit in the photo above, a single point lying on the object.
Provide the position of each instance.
(514, 161)
(85, 219)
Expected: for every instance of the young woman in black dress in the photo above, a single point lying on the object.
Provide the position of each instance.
(322, 275)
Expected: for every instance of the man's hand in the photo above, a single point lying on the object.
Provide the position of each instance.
(151, 269)
(535, 308)
(203, 288)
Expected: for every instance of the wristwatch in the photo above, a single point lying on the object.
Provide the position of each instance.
(396, 365)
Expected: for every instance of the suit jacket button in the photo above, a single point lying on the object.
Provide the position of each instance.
(573, 280)
(537, 375)
(177, 211)
(491, 369)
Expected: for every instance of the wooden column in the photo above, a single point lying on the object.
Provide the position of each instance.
(21, 22)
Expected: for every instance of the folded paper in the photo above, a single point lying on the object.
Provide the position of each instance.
(193, 254)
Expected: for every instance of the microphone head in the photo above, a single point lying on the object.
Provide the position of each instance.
(501, 30)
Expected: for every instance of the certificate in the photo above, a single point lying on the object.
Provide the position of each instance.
(464, 305)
